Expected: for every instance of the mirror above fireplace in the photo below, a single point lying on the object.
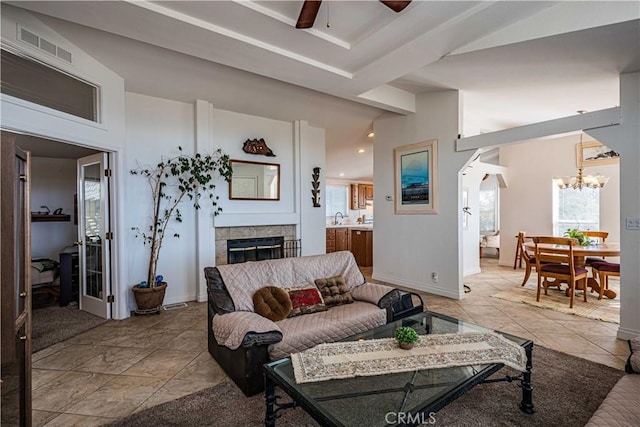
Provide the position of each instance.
(254, 181)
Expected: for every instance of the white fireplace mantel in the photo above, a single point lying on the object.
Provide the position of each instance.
(255, 219)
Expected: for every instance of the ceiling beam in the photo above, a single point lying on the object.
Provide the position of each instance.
(591, 120)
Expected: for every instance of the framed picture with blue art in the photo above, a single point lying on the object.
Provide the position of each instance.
(416, 178)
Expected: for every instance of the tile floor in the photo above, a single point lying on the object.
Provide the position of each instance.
(121, 367)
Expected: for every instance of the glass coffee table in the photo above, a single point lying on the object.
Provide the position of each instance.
(408, 398)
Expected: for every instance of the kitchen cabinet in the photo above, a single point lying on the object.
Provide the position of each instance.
(362, 247)
(368, 192)
(360, 194)
(337, 239)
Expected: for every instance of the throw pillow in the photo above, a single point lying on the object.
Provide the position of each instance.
(305, 300)
(334, 291)
(272, 302)
(633, 362)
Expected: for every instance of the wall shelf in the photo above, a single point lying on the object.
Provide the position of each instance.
(49, 218)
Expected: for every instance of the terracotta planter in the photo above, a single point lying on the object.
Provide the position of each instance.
(149, 298)
(405, 345)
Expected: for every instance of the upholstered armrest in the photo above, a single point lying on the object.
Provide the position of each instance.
(244, 328)
(381, 295)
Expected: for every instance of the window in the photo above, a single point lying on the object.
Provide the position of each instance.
(488, 206)
(337, 199)
(43, 85)
(575, 209)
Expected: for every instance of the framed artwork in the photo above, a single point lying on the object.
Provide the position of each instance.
(416, 178)
(595, 153)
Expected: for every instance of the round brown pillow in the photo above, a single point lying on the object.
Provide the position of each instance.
(272, 302)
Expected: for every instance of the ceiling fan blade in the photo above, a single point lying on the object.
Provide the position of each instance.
(308, 13)
(396, 6)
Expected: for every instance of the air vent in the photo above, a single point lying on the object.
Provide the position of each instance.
(32, 39)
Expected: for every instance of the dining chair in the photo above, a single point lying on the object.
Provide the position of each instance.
(564, 272)
(528, 257)
(601, 236)
(605, 269)
(524, 255)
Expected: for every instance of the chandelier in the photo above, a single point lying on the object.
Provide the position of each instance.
(581, 181)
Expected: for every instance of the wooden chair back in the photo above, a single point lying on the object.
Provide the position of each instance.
(601, 235)
(547, 254)
(522, 237)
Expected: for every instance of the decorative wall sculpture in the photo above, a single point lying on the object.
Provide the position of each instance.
(315, 191)
(257, 146)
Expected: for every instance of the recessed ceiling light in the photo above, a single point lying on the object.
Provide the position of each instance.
(361, 150)
(371, 134)
(341, 173)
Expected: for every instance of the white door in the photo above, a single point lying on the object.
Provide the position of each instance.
(94, 237)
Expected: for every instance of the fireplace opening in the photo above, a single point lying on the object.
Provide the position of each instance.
(254, 249)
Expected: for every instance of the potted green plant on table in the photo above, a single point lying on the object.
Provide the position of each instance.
(406, 337)
(171, 181)
(574, 233)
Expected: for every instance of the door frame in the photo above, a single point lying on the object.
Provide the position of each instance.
(119, 278)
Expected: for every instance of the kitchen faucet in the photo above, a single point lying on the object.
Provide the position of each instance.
(335, 218)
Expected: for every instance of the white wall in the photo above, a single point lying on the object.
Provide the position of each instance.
(53, 184)
(408, 248)
(155, 128)
(312, 154)
(230, 131)
(527, 204)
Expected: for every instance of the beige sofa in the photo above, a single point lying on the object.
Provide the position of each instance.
(621, 407)
(242, 340)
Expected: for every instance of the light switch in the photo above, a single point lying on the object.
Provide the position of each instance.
(632, 223)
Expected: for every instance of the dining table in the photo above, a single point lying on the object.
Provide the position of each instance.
(580, 253)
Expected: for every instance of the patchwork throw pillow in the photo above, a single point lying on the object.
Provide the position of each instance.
(633, 362)
(272, 302)
(305, 300)
(334, 291)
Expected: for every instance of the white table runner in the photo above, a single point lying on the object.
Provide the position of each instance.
(383, 356)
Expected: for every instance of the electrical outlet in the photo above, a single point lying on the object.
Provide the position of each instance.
(434, 277)
(632, 223)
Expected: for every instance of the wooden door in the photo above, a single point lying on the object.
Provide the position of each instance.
(15, 289)
(331, 240)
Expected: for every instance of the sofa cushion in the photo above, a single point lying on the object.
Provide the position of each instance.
(621, 407)
(243, 279)
(334, 291)
(381, 295)
(633, 362)
(272, 302)
(230, 329)
(339, 322)
(305, 300)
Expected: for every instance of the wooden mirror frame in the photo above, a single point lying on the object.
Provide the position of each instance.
(234, 164)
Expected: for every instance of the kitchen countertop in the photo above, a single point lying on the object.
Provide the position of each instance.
(365, 227)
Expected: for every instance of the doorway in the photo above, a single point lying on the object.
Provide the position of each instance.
(71, 243)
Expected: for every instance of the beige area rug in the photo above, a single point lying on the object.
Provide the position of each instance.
(607, 310)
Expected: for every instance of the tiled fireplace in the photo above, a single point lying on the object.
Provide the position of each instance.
(223, 234)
